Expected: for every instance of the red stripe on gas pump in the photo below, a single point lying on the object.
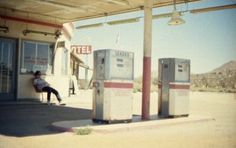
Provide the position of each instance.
(118, 85)
(176, 86)
(179, 86)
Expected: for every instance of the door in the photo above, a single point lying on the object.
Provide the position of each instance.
(7, 69)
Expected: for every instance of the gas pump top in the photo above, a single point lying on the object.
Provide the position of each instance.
(113, 64)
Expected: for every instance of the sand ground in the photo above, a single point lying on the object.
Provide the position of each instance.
(217, 133)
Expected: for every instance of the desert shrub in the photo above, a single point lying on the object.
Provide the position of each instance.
(83, 131)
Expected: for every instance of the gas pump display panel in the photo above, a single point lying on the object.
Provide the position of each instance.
(113, 64)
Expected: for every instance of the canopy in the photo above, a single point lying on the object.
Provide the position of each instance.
(63, 11)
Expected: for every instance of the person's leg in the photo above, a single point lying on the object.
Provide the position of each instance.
(73, 88)
(55, 92)
(48, 90)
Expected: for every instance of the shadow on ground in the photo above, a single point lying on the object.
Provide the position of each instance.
(21, 120)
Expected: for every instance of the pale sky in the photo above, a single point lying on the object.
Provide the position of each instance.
(207, 39)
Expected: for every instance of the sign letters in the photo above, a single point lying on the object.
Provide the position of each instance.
(81, 49)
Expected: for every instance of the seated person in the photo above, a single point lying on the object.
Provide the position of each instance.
(43, 86)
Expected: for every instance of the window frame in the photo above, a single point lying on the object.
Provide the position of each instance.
(51, 46)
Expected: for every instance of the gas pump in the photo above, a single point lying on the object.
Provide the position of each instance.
(173, 87)
(113, 86)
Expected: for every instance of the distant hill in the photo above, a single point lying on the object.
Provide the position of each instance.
(221, 79)
(230, 66)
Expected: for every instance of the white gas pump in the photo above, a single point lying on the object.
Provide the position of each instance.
(173, 87)
(113, 86)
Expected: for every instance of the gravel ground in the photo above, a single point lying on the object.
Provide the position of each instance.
(218, 133)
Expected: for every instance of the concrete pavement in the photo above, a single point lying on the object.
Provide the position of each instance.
(26, 118)
(136, 124)
(84, 100)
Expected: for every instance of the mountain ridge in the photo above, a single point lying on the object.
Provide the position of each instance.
(220, 79)
(231, 65)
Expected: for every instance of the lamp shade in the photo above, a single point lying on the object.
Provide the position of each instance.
(176, 19)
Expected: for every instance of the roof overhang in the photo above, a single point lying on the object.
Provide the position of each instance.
(58, 12)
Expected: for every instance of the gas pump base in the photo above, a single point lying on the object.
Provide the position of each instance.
(173, 116)
(111, 121)
(178, 116)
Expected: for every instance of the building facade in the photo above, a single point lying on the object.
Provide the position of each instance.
(27, 46)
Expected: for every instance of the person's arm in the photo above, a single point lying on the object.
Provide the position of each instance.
(36, 85)
(40, 82)
(35, 82)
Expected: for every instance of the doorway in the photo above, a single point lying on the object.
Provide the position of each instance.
(7, 69)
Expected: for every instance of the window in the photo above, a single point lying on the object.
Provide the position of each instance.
(36, 56)
(64, 61)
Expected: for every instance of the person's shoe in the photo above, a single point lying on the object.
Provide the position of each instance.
(61, 103)
(48, 103)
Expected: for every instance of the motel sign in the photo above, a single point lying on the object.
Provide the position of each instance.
(81, 49)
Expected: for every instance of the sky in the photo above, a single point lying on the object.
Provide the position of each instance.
(207, 39)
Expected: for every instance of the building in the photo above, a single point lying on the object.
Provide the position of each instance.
(26, 46)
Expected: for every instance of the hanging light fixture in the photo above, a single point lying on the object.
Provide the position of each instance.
(4, 29)
(57, 33)
(175, 18)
